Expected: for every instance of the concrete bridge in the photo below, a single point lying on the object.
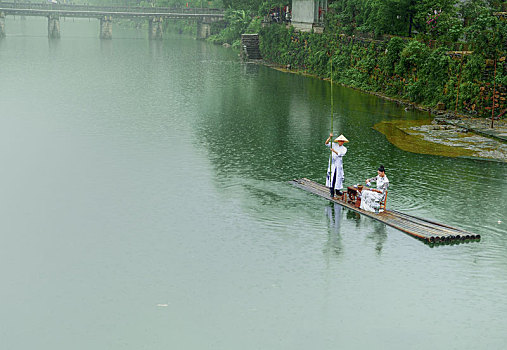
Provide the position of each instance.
(155, 16)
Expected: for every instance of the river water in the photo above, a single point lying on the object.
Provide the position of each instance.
(145, 205)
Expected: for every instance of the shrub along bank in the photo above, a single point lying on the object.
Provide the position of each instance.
(423, 72)
(400, 68)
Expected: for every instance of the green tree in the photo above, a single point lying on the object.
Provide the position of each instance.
(393, 17)
(393, 54)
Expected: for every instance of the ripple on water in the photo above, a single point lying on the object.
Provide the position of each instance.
(275, 205)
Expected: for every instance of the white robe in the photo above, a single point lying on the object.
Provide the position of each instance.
(336, 166)
(370, 200)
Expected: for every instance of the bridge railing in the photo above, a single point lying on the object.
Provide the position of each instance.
(133, 9)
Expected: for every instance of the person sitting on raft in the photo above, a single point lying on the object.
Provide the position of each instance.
(371, 197)
(335, 175)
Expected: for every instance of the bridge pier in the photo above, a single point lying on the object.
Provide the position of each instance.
(53, 27)
(106, 27)
(2, 25)
(203, 29)
(155, 28)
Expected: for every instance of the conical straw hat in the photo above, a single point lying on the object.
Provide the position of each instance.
(341, 138)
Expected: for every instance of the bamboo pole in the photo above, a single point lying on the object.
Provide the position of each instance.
(331, 140)
(437, 224)
(332, 94)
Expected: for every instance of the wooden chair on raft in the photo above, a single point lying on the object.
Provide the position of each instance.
(354, 199)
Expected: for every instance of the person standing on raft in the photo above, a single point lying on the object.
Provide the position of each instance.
(371, 197)
(335, 175)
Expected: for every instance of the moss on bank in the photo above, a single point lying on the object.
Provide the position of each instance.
(395, 132)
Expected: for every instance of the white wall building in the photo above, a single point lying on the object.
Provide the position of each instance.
(308, 14)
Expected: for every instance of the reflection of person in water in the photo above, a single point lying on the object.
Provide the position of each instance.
(379, 235)
(375, 230)
(334, 214)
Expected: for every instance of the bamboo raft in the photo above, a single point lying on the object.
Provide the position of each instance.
(430, 232)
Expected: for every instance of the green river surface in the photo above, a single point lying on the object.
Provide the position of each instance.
(145, 205)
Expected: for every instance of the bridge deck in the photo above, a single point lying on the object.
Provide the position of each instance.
(28, 9)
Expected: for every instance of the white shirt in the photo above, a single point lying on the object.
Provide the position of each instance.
(340, 149)
(382, 182)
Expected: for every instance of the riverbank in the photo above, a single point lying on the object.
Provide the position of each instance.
(414, 73)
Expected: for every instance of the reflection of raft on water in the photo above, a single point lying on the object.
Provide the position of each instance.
(426, 230)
